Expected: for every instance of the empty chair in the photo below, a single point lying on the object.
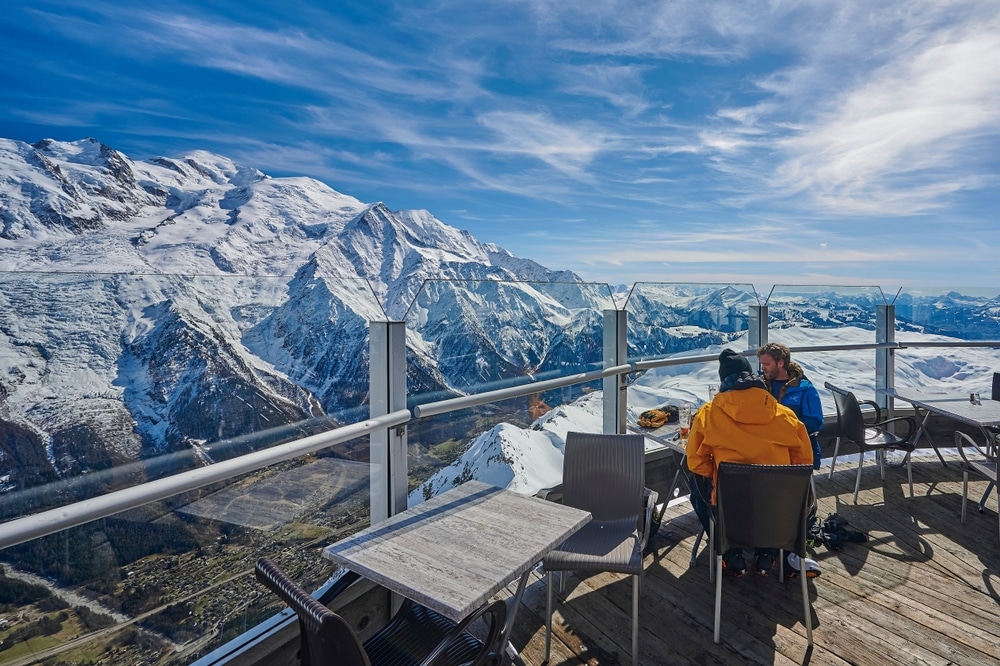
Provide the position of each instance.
(415, 635)
(979, 460)
(762, 506)
(851, 426)
(605, 475)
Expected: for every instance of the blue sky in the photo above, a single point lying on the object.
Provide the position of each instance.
(812, 142)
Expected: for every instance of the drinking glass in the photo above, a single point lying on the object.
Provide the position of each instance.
(684, 418)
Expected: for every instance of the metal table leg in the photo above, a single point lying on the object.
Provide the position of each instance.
(509, 653)
(982, 502)
(991, 443)
(922, 430)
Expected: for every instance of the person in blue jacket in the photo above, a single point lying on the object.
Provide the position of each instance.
(788, 383)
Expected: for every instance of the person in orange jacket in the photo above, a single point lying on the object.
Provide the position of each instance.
(744, 423)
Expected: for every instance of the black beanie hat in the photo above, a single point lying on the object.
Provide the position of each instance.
(731, 363)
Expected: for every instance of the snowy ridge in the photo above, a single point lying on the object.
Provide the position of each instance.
(210, 300)
(529, 459)
(213, 301)
(203, 214)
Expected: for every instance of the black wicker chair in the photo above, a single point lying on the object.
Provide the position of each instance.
(762, 506)
(604, 474)
(979, 460)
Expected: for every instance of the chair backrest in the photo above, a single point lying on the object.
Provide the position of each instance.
(604, 474)
(996, 386)
(850, 420)
(762, 506)
(325, 637)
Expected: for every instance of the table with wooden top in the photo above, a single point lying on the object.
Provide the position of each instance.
(455, 551)
(984, 415)
(666, 439)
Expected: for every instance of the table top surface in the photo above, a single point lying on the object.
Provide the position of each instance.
(957, 407)
(453, 552)
(666, 435)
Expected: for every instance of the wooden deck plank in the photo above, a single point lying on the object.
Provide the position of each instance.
(922, 590)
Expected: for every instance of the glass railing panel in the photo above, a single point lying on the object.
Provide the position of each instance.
(946, 316)
(965, 313)
(109, 381)
(677, 320)
(470, 337)
(820, 315)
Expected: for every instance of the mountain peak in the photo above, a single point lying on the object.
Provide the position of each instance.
(87, 151)
(202, 213)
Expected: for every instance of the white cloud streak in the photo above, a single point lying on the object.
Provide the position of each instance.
(647, 115)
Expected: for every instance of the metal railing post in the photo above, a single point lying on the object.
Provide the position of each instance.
(885, 359)
(387, 386)
(757, 333)
(615, 386)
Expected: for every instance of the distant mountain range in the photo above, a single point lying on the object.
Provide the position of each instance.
(155, 306)
(162, 306)
(85, 206)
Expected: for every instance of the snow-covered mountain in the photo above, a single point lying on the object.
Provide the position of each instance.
(154, 305)
(167, 305)
(85, 206)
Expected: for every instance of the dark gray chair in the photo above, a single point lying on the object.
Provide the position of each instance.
(605, 475)
(979, 460)
(414, 636)
(867, 437)
(762, 506)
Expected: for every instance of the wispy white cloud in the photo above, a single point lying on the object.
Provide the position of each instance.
(543, 123)
(899, 142)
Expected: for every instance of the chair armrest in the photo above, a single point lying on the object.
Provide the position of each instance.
(911, 428)
(553, 494)
(496, 615)
(873, 404)
(959, 436)
(310, 611)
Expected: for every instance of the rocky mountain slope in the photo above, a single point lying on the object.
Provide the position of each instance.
(151, 306)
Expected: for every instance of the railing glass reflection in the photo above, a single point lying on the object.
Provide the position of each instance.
(672, 321)
(470, 337)
(818, 315)
(109, 381)
(941, 329)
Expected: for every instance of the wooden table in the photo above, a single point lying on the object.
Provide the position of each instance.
(983, 415)
(666, 441)
(453, 552)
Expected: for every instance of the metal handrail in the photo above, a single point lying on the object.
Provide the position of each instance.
(476, 399)
(26, 528)
(48, 522)
(851, 347)
(958, 343)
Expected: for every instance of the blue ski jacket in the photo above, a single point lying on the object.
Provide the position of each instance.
(799, 395)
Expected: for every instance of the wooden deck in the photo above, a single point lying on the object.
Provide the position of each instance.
(922, 590)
